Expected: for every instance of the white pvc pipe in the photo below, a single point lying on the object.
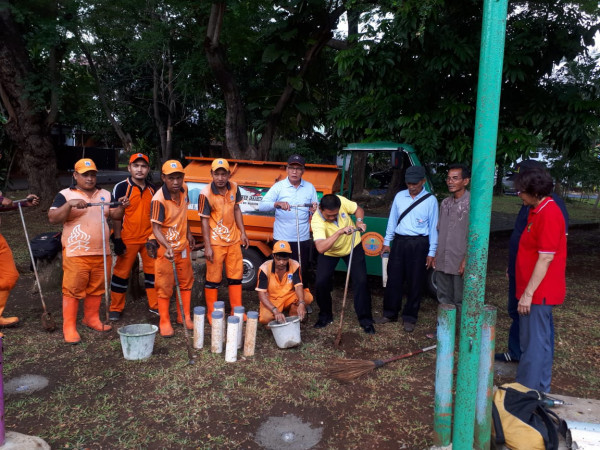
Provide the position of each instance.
(239, 311)
(384, 263)
(199, 313)
(233, 325)
(220, 306)
(250, 340)
(216, 335)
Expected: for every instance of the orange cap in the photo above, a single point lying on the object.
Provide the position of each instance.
(85, 165)
(172, 166)
(219, 163)
(282, 247)
(137, 156)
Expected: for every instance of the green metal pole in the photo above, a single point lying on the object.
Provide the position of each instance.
(444, 367)
(484, 155)
(485, 390)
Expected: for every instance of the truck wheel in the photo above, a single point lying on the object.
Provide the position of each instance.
(252, 260)
(431, 284)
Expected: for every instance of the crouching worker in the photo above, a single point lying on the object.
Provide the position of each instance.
(168, 214)
(83, 249)
(280, 288)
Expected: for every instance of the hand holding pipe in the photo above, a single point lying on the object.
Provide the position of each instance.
(301, 205)
(29, 199)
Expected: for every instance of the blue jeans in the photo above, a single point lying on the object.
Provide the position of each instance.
(537, 347)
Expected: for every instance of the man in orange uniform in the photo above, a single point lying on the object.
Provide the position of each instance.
(222, 231)
(9, 274)
(168, 214)
(280, 288)
(83, 252)
(131, 234)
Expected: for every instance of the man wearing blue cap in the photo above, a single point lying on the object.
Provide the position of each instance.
(412, 227)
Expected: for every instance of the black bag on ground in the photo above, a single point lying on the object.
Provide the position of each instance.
(522, 420)
(46, 246)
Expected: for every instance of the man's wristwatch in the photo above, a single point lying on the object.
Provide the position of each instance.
(274, 310)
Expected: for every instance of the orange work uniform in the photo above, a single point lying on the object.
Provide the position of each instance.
(225, 242)
(281, 291)
(82, 243)
(136, 228)
(171, 215)
(83, 260)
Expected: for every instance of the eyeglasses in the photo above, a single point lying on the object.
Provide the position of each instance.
(295, 169)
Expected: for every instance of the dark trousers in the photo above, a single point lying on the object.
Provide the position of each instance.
(408, 256)
(360, 287)
(514, 344)
(305, 252)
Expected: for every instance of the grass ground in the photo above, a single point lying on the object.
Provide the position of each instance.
(97, 400)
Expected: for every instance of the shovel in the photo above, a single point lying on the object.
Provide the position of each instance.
(47, 320)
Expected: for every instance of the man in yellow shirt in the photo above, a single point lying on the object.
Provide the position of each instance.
(332, 229)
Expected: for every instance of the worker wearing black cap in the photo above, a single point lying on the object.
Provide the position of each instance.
(293, 190)
(413, 236)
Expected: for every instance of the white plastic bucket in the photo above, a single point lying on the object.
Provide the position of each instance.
(137, 340)
(286, 334)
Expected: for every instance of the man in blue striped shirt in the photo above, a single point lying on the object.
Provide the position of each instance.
(293, 190)
(414, 239)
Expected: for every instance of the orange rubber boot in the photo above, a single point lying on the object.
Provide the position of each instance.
(235, 297)
(152, 298)
(6, 321)
(117, 301)
(91, 313)
(166, 329)
(210, 295)
(186, 299)
(70, 307)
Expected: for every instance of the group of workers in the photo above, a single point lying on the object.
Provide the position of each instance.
(420, 235)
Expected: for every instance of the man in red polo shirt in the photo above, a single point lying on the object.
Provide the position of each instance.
(540, 278)
(131, 234)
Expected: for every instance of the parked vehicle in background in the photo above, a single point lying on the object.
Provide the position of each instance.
(255, 178)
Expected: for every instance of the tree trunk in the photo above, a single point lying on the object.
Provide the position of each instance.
(499, 187)
(358, 173)
(25, 126)
(236, 136)
(396, 184)
(103, 97)
(288, 94)
(160, 126)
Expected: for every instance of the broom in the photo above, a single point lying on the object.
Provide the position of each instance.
(346, 370)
